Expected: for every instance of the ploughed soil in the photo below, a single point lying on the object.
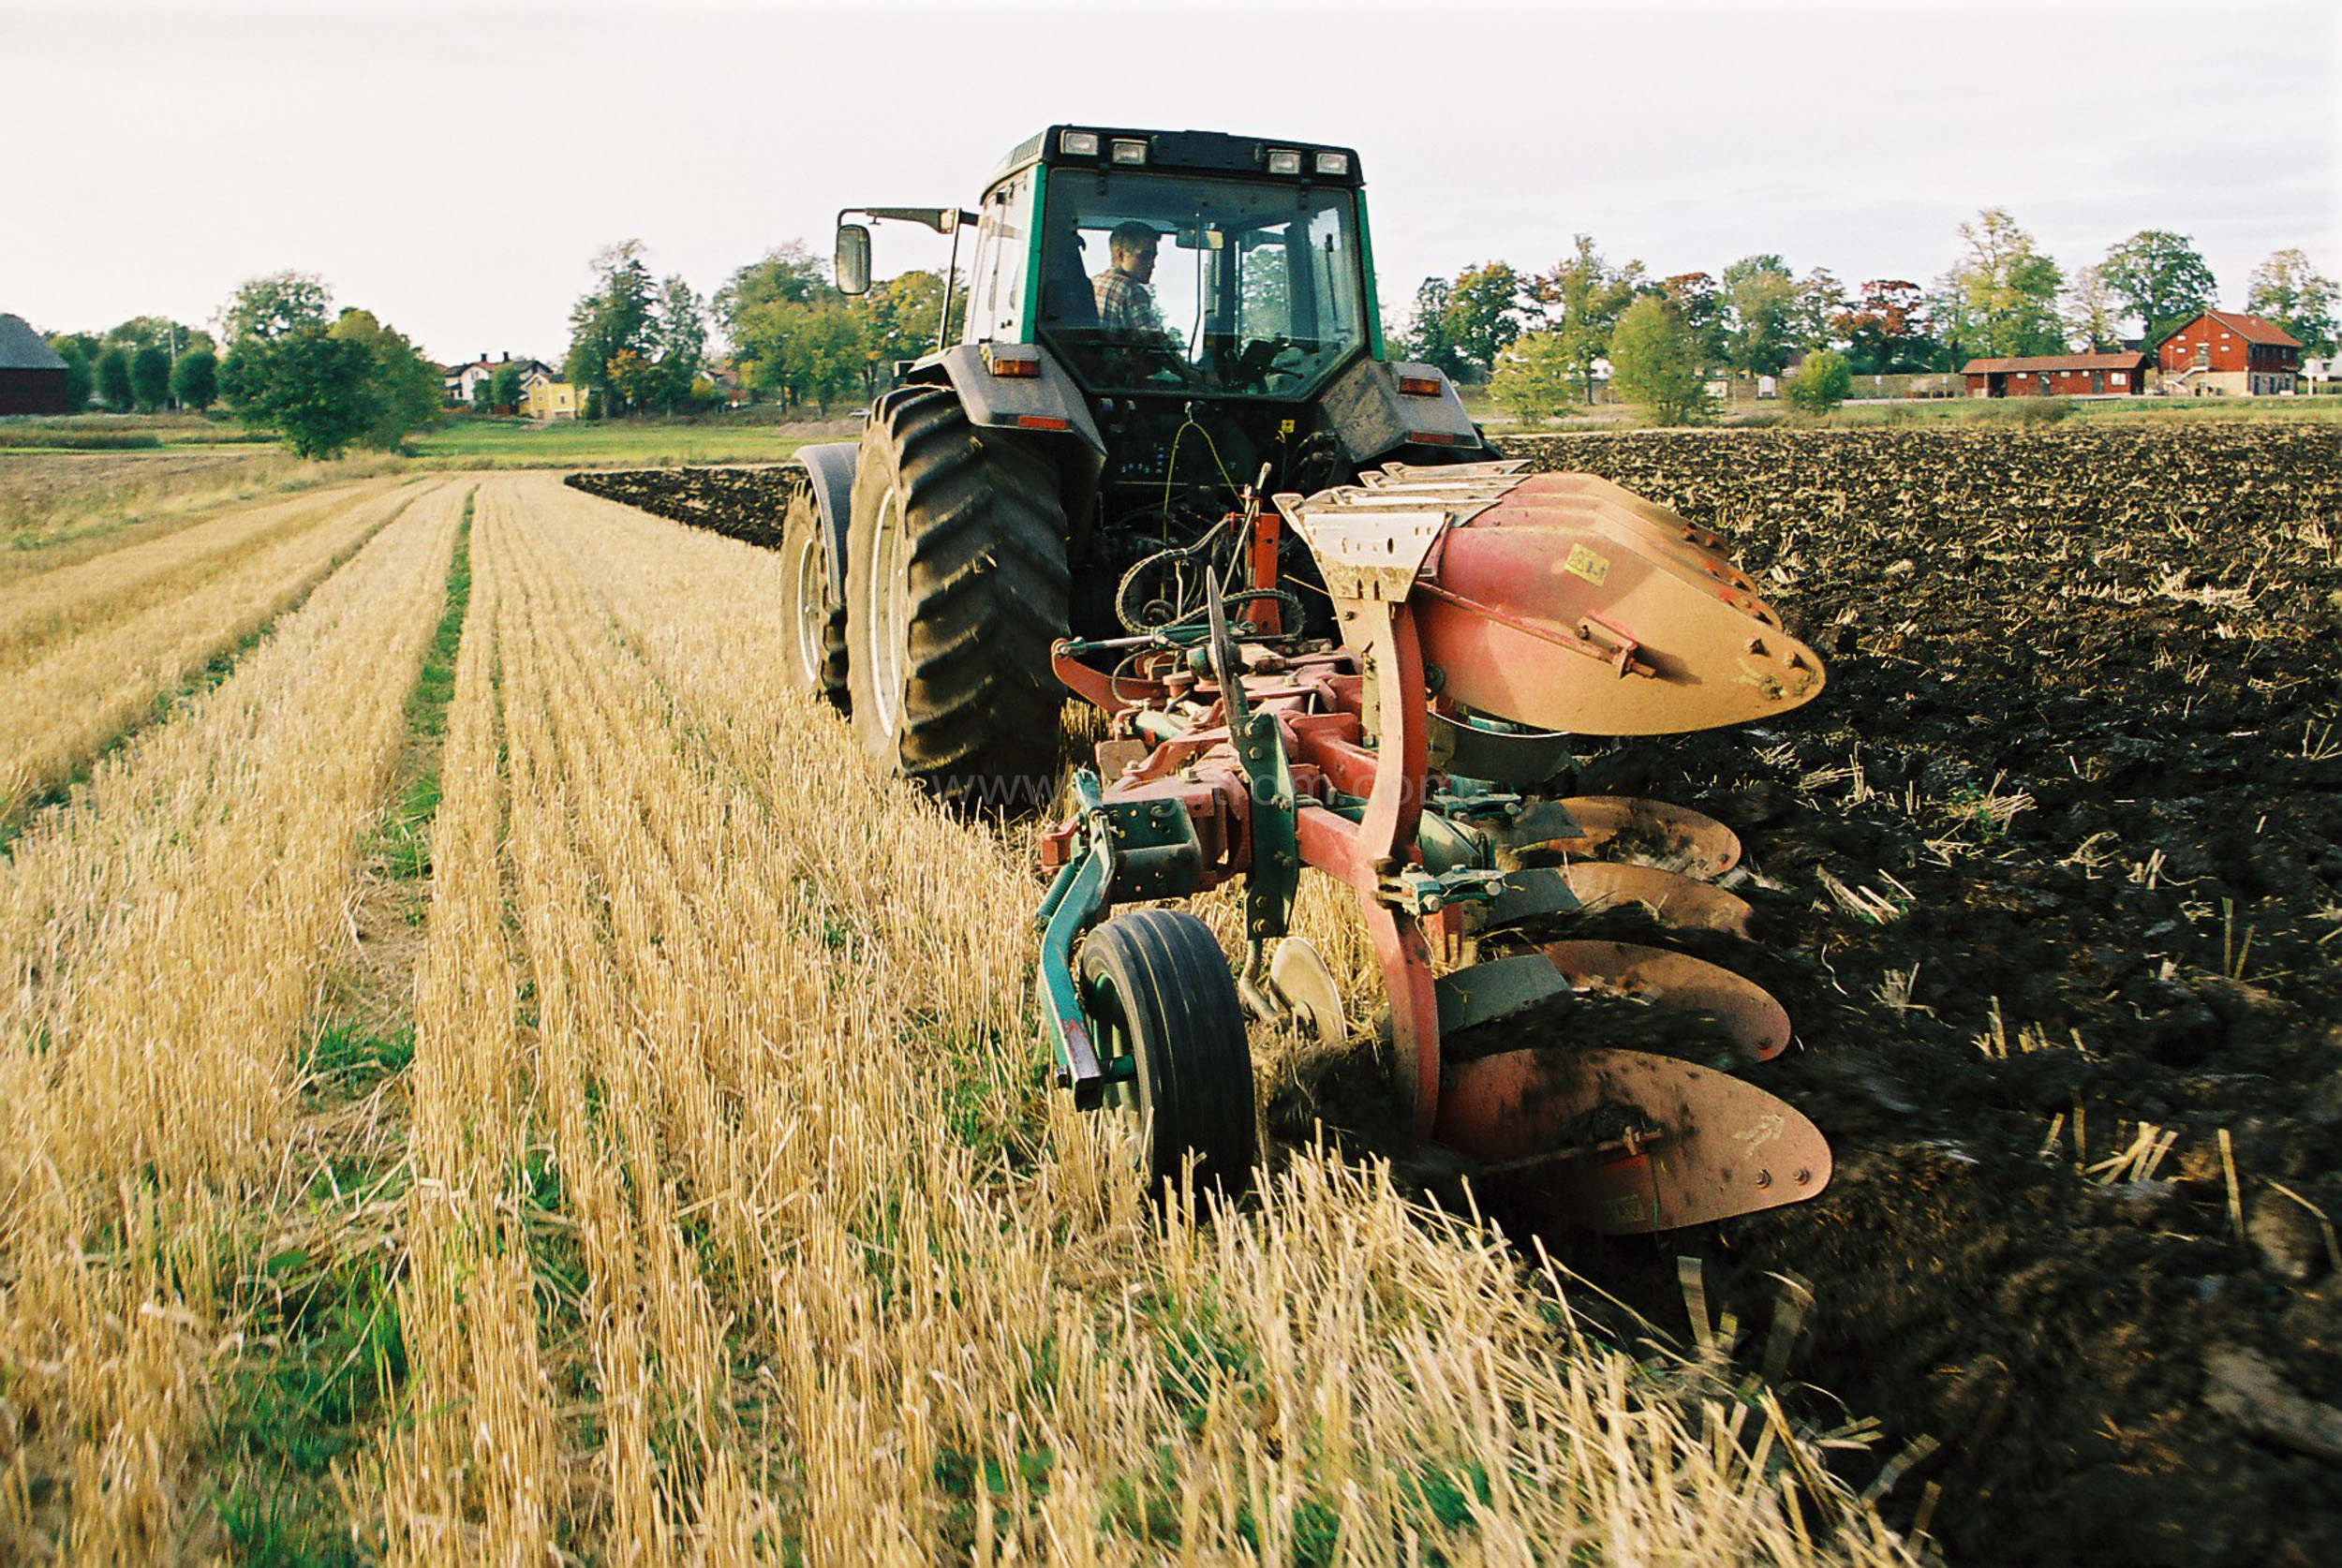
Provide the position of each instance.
(2071, 1016)
(2050, 881)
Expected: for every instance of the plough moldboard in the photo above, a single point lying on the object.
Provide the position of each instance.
(1486, 620)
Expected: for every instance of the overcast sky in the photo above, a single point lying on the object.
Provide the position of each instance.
(455, 168)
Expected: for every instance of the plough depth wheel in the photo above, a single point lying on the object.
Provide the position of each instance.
(1157, 989)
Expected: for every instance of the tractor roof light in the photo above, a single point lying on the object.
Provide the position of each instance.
(1335, 164)
(1078, 144)
(1129, 152)
(1281, 161)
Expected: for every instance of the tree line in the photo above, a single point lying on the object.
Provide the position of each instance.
(639, 345)
(1535, 336)
(281, 358)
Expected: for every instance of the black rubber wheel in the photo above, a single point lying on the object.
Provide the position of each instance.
(956, 584)
(816, 622)
(1157, 987)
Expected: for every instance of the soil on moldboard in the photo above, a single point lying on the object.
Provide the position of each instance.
(2077, 772)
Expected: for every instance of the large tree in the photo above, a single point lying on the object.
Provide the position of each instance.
(2091, 310)
(194, 379)
(1817, 311)
(1483, 313)
(2286, 289)
(269, 308)
(1580, 300)
(155, 331)
(149, 377)
(1759, 297)
(1886, 330)
(616, 316)
(2000, 301)
(2160, 278)
(1532, 377)
(770, 311)
(679, 339)
(80, 377)
(308, 384)
(402, 391)
(113, 380)
(1427, 340)
(1699, 302)
(1654, 362)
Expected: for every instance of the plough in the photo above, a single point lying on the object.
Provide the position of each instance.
(1484, 620)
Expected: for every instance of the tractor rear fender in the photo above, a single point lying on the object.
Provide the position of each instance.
(1049, 406)
(830, 466)
(1374, 419)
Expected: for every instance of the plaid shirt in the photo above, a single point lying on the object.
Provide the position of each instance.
(1124, 303)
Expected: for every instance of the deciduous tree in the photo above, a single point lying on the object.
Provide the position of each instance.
(401, 392)
(1427, 339)
(308, 384)
(2286, 289)
(502, 385)
(269, 308)
(1816, 309)
(613, 318)
(679, 337)
(1821, 383)
(194, 379)
(2091, 309)
(1580, 300)
(1886, 330)
(79, 378)
(1532, 377)
(1654, 362)
(149, 377)
(113, 380)
(2160, 278)
(2000, 301)
(1758, 295)
(1483, 313)
(1699, 300)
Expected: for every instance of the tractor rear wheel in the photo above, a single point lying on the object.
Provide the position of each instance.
(956, 584)
(1156, 987)
(816, 621)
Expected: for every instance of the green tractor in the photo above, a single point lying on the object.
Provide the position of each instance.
(1161, 327)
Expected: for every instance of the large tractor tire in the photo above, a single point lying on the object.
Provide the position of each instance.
(956, 585)
(1156, 987)
(816, 622)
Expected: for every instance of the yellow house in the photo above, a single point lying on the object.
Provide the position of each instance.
(544, 398)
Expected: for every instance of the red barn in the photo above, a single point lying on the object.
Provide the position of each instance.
(2223, 352)
(32, 377)
(2058, 376)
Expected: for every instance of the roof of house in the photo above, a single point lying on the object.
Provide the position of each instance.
(22, 348)
(2252, 329)
(2055, 362)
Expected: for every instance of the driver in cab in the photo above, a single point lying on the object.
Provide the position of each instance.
(1126, 302)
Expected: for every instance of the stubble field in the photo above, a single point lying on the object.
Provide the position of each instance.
(486, 1075)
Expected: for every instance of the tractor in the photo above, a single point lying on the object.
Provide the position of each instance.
(1327, 628)
(1043, 476)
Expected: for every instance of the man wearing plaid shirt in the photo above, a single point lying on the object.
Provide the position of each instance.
(1125, 302)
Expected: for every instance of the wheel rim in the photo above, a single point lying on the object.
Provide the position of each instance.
(889, 609)
(812, 618)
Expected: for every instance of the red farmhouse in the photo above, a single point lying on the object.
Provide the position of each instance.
(2221, 351)
(2058, 376)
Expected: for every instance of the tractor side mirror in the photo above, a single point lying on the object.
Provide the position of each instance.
(854, 258)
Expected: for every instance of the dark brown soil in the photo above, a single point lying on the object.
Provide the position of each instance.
(2084, 728)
